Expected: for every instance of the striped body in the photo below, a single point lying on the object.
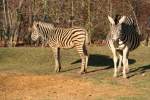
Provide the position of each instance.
(58, 38)
(67, 38)
(128, 36)
(122, 39)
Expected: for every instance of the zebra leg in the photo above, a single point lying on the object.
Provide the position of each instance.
(120, 63)
(57, 59)
(125, 61)
(86, 57)
(42, 45)
(83, 58)
(115, 59)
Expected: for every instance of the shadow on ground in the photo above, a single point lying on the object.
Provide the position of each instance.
(139, 70)
(99, 61)
(96, 60)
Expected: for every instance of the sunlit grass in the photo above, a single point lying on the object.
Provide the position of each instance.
(40, 61)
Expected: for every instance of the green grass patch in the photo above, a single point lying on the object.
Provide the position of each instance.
(40, 61)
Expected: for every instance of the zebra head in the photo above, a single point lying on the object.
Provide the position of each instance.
(41, 29)
(35, 31)
(116, 28)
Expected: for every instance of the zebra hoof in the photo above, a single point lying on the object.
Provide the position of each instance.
(124, 76)
(85, 71)
(57, 70)
(120, 69)
(114, 76)
(81, 72)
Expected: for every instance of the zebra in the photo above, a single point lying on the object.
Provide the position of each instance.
(122, 38)
(57, 38)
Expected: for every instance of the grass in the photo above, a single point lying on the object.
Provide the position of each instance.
(40, 61)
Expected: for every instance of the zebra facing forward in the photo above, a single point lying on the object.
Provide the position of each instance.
(122, 39)
(57, 38)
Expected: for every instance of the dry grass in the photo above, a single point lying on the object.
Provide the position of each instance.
(27, 74)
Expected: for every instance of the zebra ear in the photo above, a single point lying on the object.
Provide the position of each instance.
(111, 20)
(37, 25)
(122, 19)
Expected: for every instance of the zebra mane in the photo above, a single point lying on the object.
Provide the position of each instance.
(129, 20)
(44, 29)
(43, 24)
(117, 18)
(128, 26)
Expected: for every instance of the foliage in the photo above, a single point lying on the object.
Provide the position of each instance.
(91, 14)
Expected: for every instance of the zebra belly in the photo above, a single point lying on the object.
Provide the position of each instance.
(66, 46)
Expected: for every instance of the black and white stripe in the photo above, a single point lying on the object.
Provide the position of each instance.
(129, 35)
(58, 38)
(122, 38)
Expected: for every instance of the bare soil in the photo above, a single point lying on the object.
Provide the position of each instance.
(57, 87)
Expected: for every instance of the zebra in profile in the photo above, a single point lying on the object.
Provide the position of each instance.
(58, 38)
(122, 38)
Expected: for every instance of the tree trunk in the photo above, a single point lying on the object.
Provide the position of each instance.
(147, 37)
(5, 25)
(10, 36)
(89, 20)
(72, 12)
(14, 36)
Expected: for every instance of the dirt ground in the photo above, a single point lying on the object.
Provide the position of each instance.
(56, 87)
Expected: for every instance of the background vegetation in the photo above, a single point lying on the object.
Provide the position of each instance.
(18, 15)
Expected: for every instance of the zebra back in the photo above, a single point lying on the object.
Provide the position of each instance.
(61, 36)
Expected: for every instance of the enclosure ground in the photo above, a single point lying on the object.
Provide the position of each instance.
(27, 74)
